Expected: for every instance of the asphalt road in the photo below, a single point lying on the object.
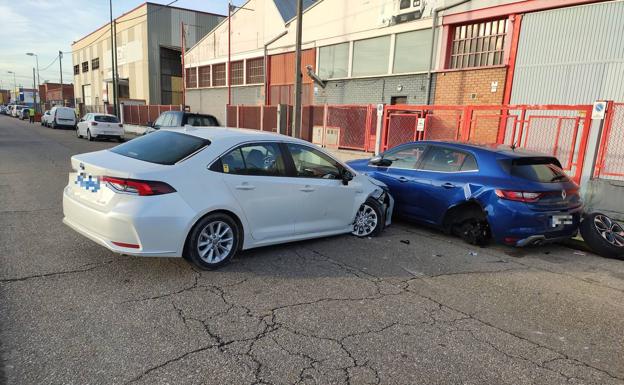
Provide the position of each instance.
(331, 311)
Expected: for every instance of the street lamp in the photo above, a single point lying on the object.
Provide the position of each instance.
(14, 83)
(36, 91)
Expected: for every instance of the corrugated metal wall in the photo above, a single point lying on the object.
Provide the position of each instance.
(571, 55)
(164, 30)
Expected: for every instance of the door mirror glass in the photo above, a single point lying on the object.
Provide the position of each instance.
(380, 161)
(150, 124)
(347, 176)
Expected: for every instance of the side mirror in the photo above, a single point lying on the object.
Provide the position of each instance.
(150, 124)
(380, 161)
(347, 176)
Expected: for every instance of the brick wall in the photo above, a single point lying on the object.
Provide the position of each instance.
(473, 87)
(373, 90)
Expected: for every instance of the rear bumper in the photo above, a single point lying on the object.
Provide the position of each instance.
(158, 227)
(513, 223)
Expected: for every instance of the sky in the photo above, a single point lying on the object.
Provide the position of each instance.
(46, 26)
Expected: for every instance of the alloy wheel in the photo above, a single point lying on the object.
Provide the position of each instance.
(215, 242)
(610, 230)
(365, 221)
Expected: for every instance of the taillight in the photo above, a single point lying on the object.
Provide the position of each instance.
(94, 123)
(520, 196)
(138, 187)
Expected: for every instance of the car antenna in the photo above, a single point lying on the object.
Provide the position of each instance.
(514, 146)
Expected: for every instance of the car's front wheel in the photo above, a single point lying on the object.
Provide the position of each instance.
(89, 137)
(603, 235)
(369, 219)
(213, 242)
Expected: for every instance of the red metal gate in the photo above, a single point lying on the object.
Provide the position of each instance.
(558, 130)
(610, 159)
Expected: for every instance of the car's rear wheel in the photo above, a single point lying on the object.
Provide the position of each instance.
(89, 137)
(369, 219)
(121, 139)
(214, 240)
(603, 235)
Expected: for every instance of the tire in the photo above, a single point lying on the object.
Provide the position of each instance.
(121, 139)
(603, 235)
(213, 241)
(474, 231)
(89, 137)
(369, 220)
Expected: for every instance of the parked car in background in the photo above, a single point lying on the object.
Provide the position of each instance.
(24, 113)
(100, 126)
(516, 197)
(3, 110)
(62, 117)
(206, 193)
(17, 110)
(178, 119)
(46, 118)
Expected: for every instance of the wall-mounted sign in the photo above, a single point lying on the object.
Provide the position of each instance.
(598, 112)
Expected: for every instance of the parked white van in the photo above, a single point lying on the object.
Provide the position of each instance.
(62, 117)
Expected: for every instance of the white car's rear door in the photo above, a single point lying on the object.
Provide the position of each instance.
(255, 176)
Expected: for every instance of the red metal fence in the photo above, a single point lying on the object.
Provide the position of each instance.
(141, 115)
(610, 159)
(559, 130)
(339, 126)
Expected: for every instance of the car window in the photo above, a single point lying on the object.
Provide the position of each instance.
(311, 163)
(264, 159)
(544, 170)
(106, 119)
(161, 119)
(176, 119)
(405, 156)
(161, 147)
(470, 164)
(201, 121)
(446, 160)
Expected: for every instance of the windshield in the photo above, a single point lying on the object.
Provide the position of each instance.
(161, 147)
(106, 119)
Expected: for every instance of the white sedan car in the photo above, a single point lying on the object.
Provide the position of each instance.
(96, 126)
(206, 193)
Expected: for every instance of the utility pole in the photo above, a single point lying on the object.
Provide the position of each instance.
(296, 125)
(229, 65)
(61, 72)
(34, 90)
(113, 49)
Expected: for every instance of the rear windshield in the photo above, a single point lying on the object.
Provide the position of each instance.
(106, 119)
(543, 170)
(161, 147)
(201, 121)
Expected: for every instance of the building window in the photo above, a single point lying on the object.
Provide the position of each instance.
(191, 78)
(204, 76)
(334, 61)
(77, 69)
(255, 71)
(95, 63)
(478, 45)
(370, 56)
(171, 76)
(85, 66)
(237, 73)
(218, 75)
(411, 51)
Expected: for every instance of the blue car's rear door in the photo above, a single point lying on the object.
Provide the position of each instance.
(444, 174)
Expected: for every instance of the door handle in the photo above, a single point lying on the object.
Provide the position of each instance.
(403, 179)
(245, 186)
(307, 188)
(448, 185)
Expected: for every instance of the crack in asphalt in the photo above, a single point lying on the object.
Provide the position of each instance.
(45, 275)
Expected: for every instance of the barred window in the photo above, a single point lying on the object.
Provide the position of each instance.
(95, 63)
(204, 76)
(77, 69)
(218, 75)
(255, 71)
(479, 44)
(237, 73)
(85, 66)
(191, 77)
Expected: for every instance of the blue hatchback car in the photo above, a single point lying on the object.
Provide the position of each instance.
(516, 197)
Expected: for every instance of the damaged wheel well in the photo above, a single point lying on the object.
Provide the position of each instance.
(462, 212)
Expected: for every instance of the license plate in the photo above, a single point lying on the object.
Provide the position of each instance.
(88, 182)
(561, 220)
